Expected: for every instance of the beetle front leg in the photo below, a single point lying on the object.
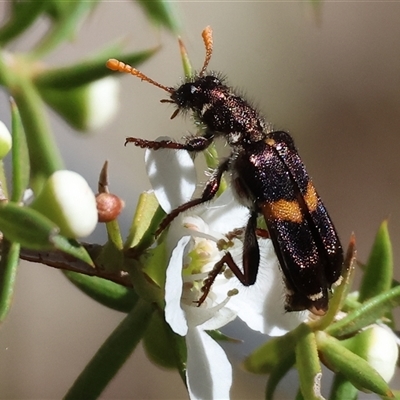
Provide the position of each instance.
(194, 144)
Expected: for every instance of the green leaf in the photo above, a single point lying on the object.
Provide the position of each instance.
(299, 396)
(44, 155)
(110, 258)
(278, 372)
(88, 71)
(34, 231)
(160, 12)
(72, 247)
(378, 272)
(342, 389)
(66, 21)
(155, 264)
(20, 156)
(105, 292)
(340, 294)
(368, 313)
(186, 64)
(9, 261)
(307, 363)
(71, 104)
(353, 367)
(59, 10)
(267, 357)
(163, 346)
(112, 354)
(23, 14)
(3, 183)
(147, 218)
(27, 227)
(219, 336)
(148, 274)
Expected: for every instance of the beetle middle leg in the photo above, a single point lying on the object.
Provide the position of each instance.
(251, 260)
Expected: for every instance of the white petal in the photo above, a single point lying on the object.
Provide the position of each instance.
(209, 373)
(225, 213)
(174, 314)
(172, 176)
(261, 306)
(210, 317)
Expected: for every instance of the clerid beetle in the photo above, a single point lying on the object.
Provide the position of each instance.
(267, 176)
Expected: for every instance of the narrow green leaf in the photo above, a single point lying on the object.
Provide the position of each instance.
(145, 222)
(105, 292)
(71, 104)
(23, 14)
(27, 227)
(111, 258)
(72, 247)
(112, 354)
(43, 153)
(269, 355)
(354, 368)
(378, 272)
(299, 396)
(307, 363)
(3, 183)
(221, 337)
(65, 24)
(148, 274)
(397, 393)
(342, 389)
(154, 264)
(160, 12)
(186, 64)
(278, 372)
(20, 156)
(86, 72)
(9, 261)
(340, 294)
(163, 346)
(59, 10)
(368, 313)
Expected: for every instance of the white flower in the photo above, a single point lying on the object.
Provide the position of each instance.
(194, 240)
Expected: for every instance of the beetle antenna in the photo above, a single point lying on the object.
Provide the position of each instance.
(208, 43)
(116, 65)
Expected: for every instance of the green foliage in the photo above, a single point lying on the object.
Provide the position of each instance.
(27, 232)
(128, 275)
(326, 340)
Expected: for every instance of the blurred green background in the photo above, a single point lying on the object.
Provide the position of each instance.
(331, 76)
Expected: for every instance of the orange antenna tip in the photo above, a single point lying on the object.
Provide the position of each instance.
(208, 44)
(112, 64)
(116, 65)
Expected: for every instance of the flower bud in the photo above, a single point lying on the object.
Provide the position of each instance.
(5, 140)
(109, 206)
(378, 346)
(68, 201)
(87, 107)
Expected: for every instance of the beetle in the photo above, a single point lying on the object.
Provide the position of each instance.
(267, 176)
